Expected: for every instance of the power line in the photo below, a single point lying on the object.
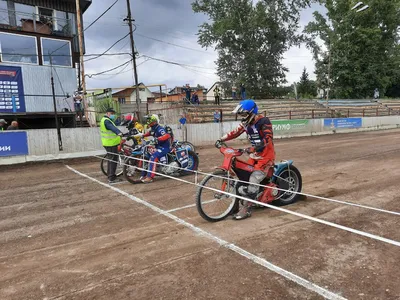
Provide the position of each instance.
(66, 55)
(167, 33)
(176, 63)
(126, 44)
(172, 44)
(121, 72)
(197, 72)
(109, 70)
(112, 75)
(108, 48)
(90, 25)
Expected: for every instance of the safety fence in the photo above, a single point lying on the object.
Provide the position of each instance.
(42, 144)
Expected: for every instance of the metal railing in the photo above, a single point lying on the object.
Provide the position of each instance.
(31, 22)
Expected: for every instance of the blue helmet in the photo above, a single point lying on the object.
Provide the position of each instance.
(247, 109)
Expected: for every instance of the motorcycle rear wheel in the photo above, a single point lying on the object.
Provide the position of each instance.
(188, 146)
(193, 164)
(212, 205)
(289, 180)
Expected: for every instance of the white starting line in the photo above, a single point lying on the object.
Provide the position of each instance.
(258, 260)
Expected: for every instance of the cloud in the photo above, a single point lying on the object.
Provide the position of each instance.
(173, 22)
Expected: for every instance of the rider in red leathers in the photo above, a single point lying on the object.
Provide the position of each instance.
(262, 157)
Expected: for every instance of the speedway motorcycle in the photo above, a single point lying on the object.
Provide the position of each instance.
(282, 186)
(179, 161)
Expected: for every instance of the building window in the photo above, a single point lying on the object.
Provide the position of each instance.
(56, 52)
(61, 23)
(72, 22)
(121, 100)
(18, 48)
(4, 18)
(24, 14)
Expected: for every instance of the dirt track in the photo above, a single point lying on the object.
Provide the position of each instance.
(65, 237)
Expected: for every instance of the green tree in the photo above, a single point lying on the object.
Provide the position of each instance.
(306, 88)
(251, 39)
(360, 51)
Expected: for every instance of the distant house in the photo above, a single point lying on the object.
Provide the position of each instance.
(178, 94)
(160, 96)
(128, 95)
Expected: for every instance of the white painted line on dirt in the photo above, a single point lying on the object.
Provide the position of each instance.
(190, 206)
(95, 173)
(345, 228)
(273, 188)
(258, 260)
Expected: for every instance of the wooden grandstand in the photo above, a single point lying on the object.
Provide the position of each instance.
(277, 109)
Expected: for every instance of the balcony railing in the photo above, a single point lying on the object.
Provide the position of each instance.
(31, 22)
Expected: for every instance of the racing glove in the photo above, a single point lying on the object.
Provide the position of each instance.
(259, 147)
(218, 143)
(139, 135)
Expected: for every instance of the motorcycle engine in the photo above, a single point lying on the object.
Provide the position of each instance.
(171, 168)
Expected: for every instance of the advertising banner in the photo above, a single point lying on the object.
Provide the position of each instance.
(289, 125)
(11, 88)
(343, 123)
(13, 143)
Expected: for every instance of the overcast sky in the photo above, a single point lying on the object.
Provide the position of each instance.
(170, 21)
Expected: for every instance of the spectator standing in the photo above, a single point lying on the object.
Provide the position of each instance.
(216, 95)
(182, 121)
(376, 93)
(77, 101)
(3, 124)
(187, 93)
(13, 126)
(217, 116)
(195, 99)
(242, 91)
(234, 92)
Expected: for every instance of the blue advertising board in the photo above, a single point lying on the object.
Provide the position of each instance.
(11, 90)
(343, 123)
(13, 143)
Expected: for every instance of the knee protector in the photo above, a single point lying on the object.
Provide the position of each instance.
(255, 177)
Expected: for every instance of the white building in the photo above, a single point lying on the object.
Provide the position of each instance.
(210, 93)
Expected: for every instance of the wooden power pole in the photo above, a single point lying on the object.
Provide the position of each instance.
(130, 20)
(81, 63)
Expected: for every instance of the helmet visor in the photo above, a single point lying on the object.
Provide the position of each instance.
(237, 109)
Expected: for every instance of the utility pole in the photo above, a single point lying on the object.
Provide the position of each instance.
(130, 20)
(60, 146)
(81, 63)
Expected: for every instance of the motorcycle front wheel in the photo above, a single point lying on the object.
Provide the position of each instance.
(131, 170)
(211, 203)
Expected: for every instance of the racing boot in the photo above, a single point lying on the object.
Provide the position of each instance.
(244, 212)
(147, 180)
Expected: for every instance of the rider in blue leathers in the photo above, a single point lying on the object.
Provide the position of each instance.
(163, 146)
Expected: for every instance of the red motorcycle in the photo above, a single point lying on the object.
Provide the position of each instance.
(281, 185)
